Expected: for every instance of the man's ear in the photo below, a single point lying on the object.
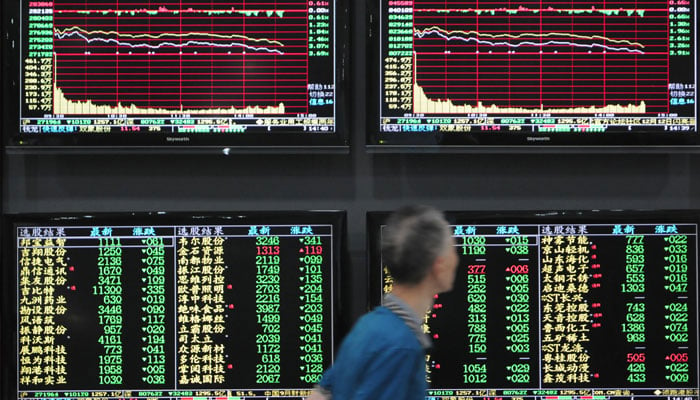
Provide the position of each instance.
(439, 265)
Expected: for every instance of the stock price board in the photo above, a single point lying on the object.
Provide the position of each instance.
(566, 310)
(178, 311)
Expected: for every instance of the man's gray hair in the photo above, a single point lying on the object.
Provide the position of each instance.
(413, 238)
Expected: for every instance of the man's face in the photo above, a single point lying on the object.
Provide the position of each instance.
(449, 261)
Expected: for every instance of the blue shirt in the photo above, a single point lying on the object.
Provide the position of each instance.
(380, 359)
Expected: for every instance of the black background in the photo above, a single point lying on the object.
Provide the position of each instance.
(607, 347)
(241, 323)
(357, 182)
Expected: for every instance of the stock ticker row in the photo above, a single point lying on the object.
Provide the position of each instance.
(559, 305)
(278, 74)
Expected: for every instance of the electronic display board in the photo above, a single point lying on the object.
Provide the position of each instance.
(532, 73)
(176, 73)
(174, 306)
(564, 306)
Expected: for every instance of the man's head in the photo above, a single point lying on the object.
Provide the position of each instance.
(417, 243)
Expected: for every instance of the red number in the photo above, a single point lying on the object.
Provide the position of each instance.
(268, 250)
(518, 269)
(678, 357)
(476, 269)
(636, 357)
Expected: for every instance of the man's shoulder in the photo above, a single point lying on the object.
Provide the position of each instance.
(380, 315)
(381, 324)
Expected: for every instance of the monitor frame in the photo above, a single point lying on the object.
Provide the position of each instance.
(375, 219)
(10, 221)
(288, 141)
(617, 141)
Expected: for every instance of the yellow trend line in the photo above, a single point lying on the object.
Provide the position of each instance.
(566, 34)
(166, 34)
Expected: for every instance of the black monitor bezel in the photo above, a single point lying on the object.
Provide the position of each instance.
(375, 219)
(8, 278)
(491, 142)
(287, 141)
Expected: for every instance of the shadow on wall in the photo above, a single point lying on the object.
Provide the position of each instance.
(694, 180)
(502, 178)
(181, 177)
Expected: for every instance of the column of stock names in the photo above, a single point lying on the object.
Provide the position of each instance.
(173, 312)
(568, 312)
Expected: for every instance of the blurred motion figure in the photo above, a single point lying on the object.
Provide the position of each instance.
(383, 356)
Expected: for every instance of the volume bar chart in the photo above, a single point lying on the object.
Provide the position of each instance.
(537, 66)
(173, 66)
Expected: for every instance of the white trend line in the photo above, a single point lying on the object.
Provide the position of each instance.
(163, 44)
(470, 39)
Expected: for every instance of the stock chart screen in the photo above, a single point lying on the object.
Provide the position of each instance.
(495, 72)
(223, 309)
(564, 309)
(193, 72)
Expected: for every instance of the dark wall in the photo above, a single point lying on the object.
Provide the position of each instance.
(356, 182)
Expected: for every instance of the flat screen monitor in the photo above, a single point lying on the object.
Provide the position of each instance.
(563, 306)
(243, 74)
(174, 306)
(493, 73)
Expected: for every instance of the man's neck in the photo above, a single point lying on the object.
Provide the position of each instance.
(419, 297)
